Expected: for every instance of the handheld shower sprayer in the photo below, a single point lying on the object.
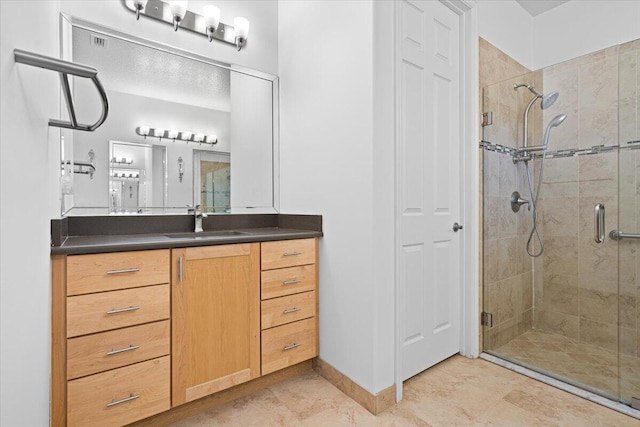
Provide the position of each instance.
(555, 122)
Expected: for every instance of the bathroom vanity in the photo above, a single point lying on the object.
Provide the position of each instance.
(143, 323)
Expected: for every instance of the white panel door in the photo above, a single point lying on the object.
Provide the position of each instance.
(429, 187)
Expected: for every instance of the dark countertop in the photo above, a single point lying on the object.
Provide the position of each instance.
(73, 237)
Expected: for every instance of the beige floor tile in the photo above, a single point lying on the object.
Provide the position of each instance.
(456, 392)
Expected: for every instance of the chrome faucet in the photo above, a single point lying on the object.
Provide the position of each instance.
(197, 215)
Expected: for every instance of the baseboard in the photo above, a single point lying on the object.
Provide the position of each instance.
(374, 403)
(222, 397)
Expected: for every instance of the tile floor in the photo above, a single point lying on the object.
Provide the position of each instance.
(456, 392)
(585, 363)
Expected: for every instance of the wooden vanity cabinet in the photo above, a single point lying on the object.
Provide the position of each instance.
(215, 297)
(289, 306)
(110, 338)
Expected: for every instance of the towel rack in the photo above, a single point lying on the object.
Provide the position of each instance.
(65, 68)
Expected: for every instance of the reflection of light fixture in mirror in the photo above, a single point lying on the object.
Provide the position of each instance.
(178, 11)
(185, 135)
(208, 24)
(180, 171)
(211, 20)
(139, 5)
(143, 130)
(242, 31)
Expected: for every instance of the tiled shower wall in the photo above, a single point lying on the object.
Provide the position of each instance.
(507, 284)
(576, 280)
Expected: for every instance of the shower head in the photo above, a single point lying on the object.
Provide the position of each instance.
(555, 122)
(548, 100)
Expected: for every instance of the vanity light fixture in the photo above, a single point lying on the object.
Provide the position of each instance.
(242, 31)
(139, 5)
(176, 14)
(175, 135)
(211, 20)
(178, 11)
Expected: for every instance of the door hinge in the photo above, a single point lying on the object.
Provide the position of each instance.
(487, 119)
(486, 319)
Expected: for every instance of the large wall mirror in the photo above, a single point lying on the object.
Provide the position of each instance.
(182, 130)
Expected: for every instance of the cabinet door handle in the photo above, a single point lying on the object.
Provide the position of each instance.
(294, 253)
(124, 310)
(180, 269)
(291, 282)
(122, 350)
(124, 270)
(291, 310)
(115, 402)
(292, 346)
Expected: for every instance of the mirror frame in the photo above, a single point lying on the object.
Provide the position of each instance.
(68, 22)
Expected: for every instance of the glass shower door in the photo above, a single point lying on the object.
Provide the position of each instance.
(629, 222)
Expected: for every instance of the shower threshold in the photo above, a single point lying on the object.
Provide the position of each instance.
(562, 383)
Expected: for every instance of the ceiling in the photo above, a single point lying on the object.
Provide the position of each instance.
(536, 7)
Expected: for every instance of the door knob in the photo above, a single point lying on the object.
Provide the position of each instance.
(456, 227)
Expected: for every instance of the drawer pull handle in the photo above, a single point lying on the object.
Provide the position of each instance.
(295, 253)
(291, 310)
(122, 350)
(124, 270)
(291, 282)
(115, 402)
(292, 346)
(123, 310)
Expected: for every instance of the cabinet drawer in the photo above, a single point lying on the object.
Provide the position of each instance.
(120, 396)
(288, 344)
(91, 313)
(278, 311)
(109, 350)
(287, 281)
(288, 253)
(119, 270)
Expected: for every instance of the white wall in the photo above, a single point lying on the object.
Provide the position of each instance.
(507, 26)
(30, 96)
(580, 27)
(329, 161)
(29, 194)
(260, 53)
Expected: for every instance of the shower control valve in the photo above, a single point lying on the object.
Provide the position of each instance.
(517, 201)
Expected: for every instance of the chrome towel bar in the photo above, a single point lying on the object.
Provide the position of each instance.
(619, 235)
(66, 68)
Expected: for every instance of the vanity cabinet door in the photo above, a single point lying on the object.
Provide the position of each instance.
(215, 319)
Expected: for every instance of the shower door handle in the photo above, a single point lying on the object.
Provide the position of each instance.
(598, 220)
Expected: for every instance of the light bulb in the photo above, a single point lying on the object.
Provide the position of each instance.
(173, 134)
(211, 19)
(185, 135)
(178, 8)
(159, 132)
(143, 130)
(211, 139)
(198, 137)
(241, 27)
